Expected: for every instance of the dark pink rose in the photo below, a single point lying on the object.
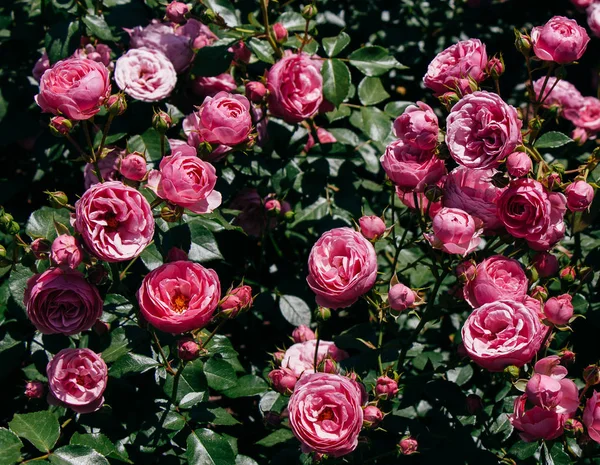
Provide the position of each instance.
(559, 310)
(300, 357)
(188, 349)
(34, 389)
(280, 32)
(302, 334)
(386, 387)
(100, 53)
(77, 379)
(586, 116)
(115, 221)
(241, 53)
(40, 248)
(179, 296)
(342, 266)
(209, 86)
(591, 416)
(75, 88)
(580, 196)
(199, 34)
(237, 300)
(65, 252)
(255, 91)
(561, 40)
(582, 3)
(41, 66)
(109, 168)
(176, 254)
(283, 380)
(133, 166)
(563, 94)
(518, 164)
(454, 231)
(408, 446)
(536, 423)
(546, 264)
(176, 12)
(372, 416)
(372, 227)
(580, 135)
(418, 126)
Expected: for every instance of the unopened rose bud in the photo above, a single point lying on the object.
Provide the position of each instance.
(523, 43)
(324, 313)
(567, 274)
(283, 380)
(372, 227)
(13, 228)
(34, 389)
(116, 104)
(161, 121)
(273, 207)
(372, 416)
(65, 252)
(495, 67)
(580, 136)
(57, 199)
(513, 371)
(2, 251)
(175, 254)
(188, 349)
(60, 126)
(591, 375)
(171, 213)
(289, 216)
(474, 404)
(280, 32)
(278, 357)
(133, 166)
(309, 11)
(255, 91)
(97, 274)
(518, 164)
(386, 387)
(573, 427)
(40, 248)
(539, 293)
(546, 264)
(466, 271)
(552, 181)
(302, 334)
(448, 99)
(236, 301)
(241, 52)
(328, 365)
(580, 196)
(408, 446)
(567, 357)
(177, 12)
(559, 310)
(536, 123)
(101, 327)
(401, 297)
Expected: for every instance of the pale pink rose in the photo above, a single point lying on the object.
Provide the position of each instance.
(176, 12)
(559, 310)
(580, 196)
(342, 266)
(255, 91)
(295, 87)
(546, 264)
(302, 334)
(422, 202)
(199, 34)
(452, 68)
(531, 212)
(300, 357)
(283, 380)
(386, 387)
(65, 252)
(237, 300)
(179, 296)
(99, 53)
(418, 126)
(593, 18)
(115, 221)
(586, 116)
(454, 231)
(372, 226)
(280, 32)
(473, 191)
(133, 166)
(563, 94)
(109, 168)
(518, 164)
(482, 130)
(145, 75)
(181, 147)
(580, 135)
(591, 416)
(209, 86)
(325, 413)
(536, 423)
(561, 40)
(61, 301)
(40, 66)
(77, 379)
(411, 168)
(496, 278)
(74, 88)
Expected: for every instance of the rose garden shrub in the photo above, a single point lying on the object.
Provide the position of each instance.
(292, 233)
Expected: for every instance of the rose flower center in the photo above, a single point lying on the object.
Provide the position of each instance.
(179, 303)
(326, 414)
(111, 220)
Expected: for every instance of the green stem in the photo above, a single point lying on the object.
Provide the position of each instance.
(41, 457)
(162, 354)
(265, 14)
(105, 134)
(211, 335)
(316, 357)
(94, 159)
(380, 343)
(176, 383)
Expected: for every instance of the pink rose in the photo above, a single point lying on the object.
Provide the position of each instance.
(559, 310)
(560, 40)
(563, 94)
(99, 53)
(372, 227)
(75, 88)
(325, 413)
(585, 116)
(342, 266)
(386, 387)
(188, 349)
(176, 47)
(452, 68)
(454, 231)
(408, 446)
(280, 32)
(115, 221)
(580, 136)
(544, 391)
(531, 212)
(145, 75)
(61, 301)
(255, 91)
(582, 3)
(133, 166)
(496, 278)
(209, 86)
(502, 333)
(300, 357)
(482, 130)
(176, 12)
(536, 423)
(302, 334)
(283, 380)
(593, 18)
(241, 53)
(77, 379)
(34, 389)
(179, 296)
(40, 66)
(295, 87)
(65, 252)
(518, 164)
(109, 168)
(550, 366)
(580, 196)
(372, 416)
(418, 126)
(546, 264)
(411, 168)
(591, 417)
(237, 300)
(199, 34)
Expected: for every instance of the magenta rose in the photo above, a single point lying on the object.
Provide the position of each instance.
(300, 357)
(418, 126)
(531, 212)
(454, 231)
(496, 278)
(536, 423)
(188, 349)
(586, 116)
(582, 3)
(303, 333)
(77, 379)
(580, 196)
(109, 168)
(502, 333)
(209, 86)
(518, 164)
(563, 94)
(65, 252)
(61, 301)
(176, 12)
(386, 387)
(179, 296)
(482, 130)
(75, 88)
(115, 221)
(342, 266)
(561, 40)
(295, 87)
(591, 416)
(559, 310)
(453, 68)
(325, 413)
(372, 227)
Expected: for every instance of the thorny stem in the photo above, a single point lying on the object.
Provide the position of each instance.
(162, 354)
(94, 159)
(105, 134)
(265, 14)
(316, 357)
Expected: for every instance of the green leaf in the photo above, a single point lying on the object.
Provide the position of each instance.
(313, 212)
(225, 9)
(77, 455)
(334, 45)
(249, 385)
(558, 455)
(552, 140)
(376, 124)
(10, 445)
(262, 49)
(131, 363)
(41, 222)
(294, 310)
(205, 447)
(97, 441)
(219, 374)
(97, 26)
(277, 437)
(61, 40)
(17, 282)
(523, 450)
(40, 428)
(214, 59)
(373, 61)
(245, 460)
(336, 81)
(151, 257)
(371, 91)
(395, 109)
(460, 375)
(147, 143)
(204, 247)
(192, 380)
(294, 21)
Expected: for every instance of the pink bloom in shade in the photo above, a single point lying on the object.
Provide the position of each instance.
(65, 252)
(252, 217)
(74, 88)
(496, 278)
(199, 34)
(536, 423)
(411, 168)
(295, 87)
(386, 387)
(585, 116)
(133, 166)
(188, 349)
(580, 196)
(255, 91)
(283, 380)
(109, 168)
(77, 379)
(41, 66)
(209, 86)
(593, 18)
(561, 40)
(452, 68)
(580, 135)
(302, 334)
(325, 413)
(546, 264)
(563, 94)
(518, 164)
(372, 416)
(372, 226)
(502, 333)
(454, 231)
(99, 53)
(342, 266)
(175, 254)
(145, 75)
(179, 296)
(550, 366)
(176, 12)
(408, 446)
(591, 417)
(300, 357)
(323, 136)
(531, 212)
(582, 3)
(473, 191)
(34, 389)
(418, 126)
(482, 130)
(61, 301)
(237, 300)
(559, 310)
(115, 221)
(241, 52)
(423, 203)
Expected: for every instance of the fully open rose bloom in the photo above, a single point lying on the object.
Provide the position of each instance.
(559, 310)
(342, 266)
(531, 212)
(115, 221)
(325, 413)
(564, 94)
(61, 301)
(418, 126)
(145, 75)
(295, 87)
(179, 296)
(502, 333)
(300, 357)
(454, 231)
(591, 416)
(77, 379)
(585, 116)
(537, 422)
(593, 18)
(482, 130)
(561, 40)
(452, 68)
(75, 88)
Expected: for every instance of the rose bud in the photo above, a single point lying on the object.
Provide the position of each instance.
(57, 199)
(591, 375)
(579, 196)
(561, 40)
(60, 126)
(34, 389)
(101, 328)
(518, 164)
(133, 166)
(175, 254)
(401, 297)
(241, 52)
(255, 91)
(372, 416)
(553, 180)
(454, 231)
(302, 334)
(309, 12)
(559, 310)
(546, 264)
(283, 380)
(40, 248)
(323, 313)
(579, 135)
(65, 252)
(237, 300)
(161, 121)
(278, 357)
(466, 271)
(567, 274)
(539, 293)
(448, 99)
(328, 365)
(386, 387)
(408, 446)
(188, 349)
(116, 104)
(495, 67)
(474, 404)
(372, 227)
(280, 32)
(273, 206)
(177, 12)
(567, 357)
